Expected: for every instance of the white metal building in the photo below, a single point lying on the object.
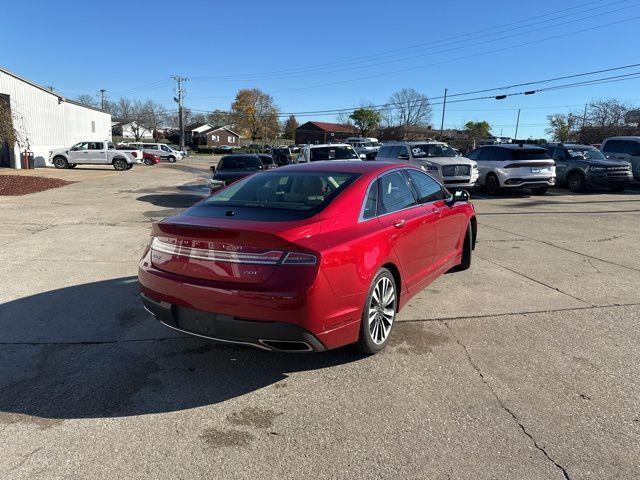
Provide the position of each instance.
(44, 120)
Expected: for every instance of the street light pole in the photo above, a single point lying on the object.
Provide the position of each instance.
(517, 125)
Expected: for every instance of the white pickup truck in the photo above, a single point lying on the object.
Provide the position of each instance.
(94, 153)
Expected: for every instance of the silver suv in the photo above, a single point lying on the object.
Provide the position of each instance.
(624, 148)
(436, 158)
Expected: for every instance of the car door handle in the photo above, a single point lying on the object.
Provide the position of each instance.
(399, 223)
(437, 211)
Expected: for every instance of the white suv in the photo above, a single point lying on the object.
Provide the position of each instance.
(329, 151)
(514, 166)
(436, 158)
(160, 149)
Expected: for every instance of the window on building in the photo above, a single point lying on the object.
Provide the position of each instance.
(93, 127)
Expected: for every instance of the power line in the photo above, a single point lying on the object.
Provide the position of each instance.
(394, 52)
(396, 59)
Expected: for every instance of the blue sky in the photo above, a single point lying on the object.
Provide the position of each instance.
(333, 54)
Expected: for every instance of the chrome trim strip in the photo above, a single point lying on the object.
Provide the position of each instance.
(216, 255)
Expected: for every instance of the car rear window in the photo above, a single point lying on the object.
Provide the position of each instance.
(239, 163)
(332, 153)
(295, 191)
(529, 154)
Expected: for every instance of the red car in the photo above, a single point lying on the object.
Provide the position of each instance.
(150, 159)
(306, 257)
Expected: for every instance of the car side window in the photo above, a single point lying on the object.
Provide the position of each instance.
(165, 148)
(630, 147)
(370, 202)
(428, 189)
(473, 155)
(394, 193)
(614, 146)
(484, 154)
(402, 151)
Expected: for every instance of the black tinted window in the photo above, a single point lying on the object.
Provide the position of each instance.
(529, 154)
(428, 189)
(239, 163)
(432, 150)
(613, 146)
(485, 153)
(394, 193)
(370, 203)
(385, 152)
(332, 153)
(473, 155)
(284, 190)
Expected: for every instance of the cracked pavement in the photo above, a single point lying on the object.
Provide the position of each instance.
(526, 366)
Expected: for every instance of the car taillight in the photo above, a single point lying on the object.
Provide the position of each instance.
(296, 258)
(270, 257)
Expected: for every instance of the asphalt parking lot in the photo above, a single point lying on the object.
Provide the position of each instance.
(525, 366)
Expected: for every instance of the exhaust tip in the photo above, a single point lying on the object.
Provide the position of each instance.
(287, 345)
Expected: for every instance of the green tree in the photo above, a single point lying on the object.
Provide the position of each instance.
(365, 119)
(8, 133)
(562, 127)
(477, 130)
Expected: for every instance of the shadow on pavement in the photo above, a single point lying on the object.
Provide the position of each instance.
(91, 351)
(171, 200)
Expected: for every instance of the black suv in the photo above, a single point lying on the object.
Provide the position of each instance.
(579, 166)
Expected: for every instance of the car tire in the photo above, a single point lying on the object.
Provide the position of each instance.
(539, 190)
(492, 184)
(171, 159)
(147, 161)
(467, 249)
(120, 164)
(60, 162)
(72, 165)
(379, 313)
(576, 182)
(129, 166)
(618, 188)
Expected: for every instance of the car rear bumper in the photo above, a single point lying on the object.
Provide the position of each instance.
(272, 336)
(308, 304)
(529, 182)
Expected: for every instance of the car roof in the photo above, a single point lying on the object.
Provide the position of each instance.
(623, 137)
(240, 155)
(516, 146)
(567, 145)
(345, 166)
(329, 145)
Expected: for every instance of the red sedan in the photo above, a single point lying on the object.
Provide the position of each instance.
(306, 257)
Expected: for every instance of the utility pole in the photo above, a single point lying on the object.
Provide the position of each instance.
(517, 125)
(444, 107)
(103, 94)
(584, 116)
(180, 101)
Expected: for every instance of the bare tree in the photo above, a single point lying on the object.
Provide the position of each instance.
(407, 107)
(607, 113)
(152, 115)
(88, 100)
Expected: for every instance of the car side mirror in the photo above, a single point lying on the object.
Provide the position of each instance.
(363, 156)
(403, 156)
(212, 168)
(457, 196)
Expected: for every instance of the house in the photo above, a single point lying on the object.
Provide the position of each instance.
(193, 133)
(407, 133)
(44, 120)
(217, 136)
(323, 132)
(131, 130)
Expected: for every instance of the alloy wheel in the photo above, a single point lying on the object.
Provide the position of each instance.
(382, 310)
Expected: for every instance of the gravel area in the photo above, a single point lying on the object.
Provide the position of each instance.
(12, 185)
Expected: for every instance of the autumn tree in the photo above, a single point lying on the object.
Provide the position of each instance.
(562, 127)
(255, 114)
(290, 127)
(408, 107)
(365, 119)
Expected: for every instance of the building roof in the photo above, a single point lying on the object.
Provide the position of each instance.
(49, 91)
(221, 127)
(330, 127)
